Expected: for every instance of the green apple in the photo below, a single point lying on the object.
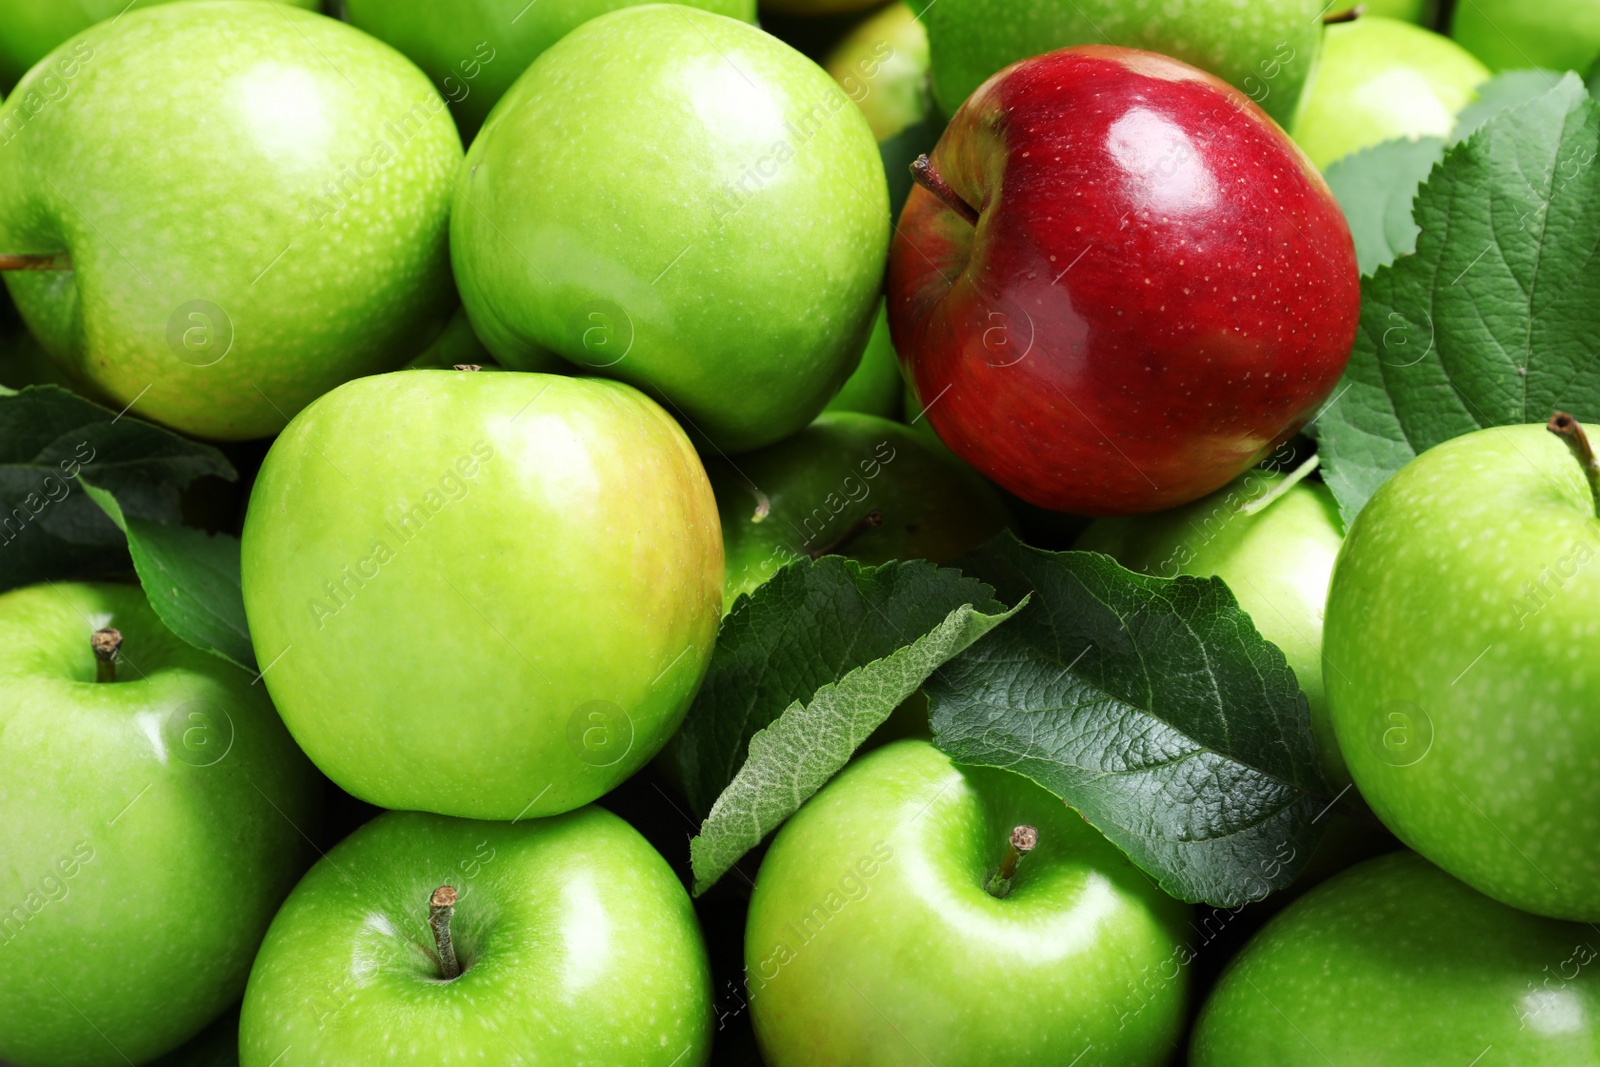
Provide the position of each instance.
(215, 1046)
(482, 594)
(574, 943)
(883, 65)
(851, 485)
(1514, 34)
(1275, 548)
(1266, 48)
(1382, 79)
(474, 50)
(875, 386)
(30, 29)
(1394, 963)
(243, 232)
(150, 824)
(682, 201)
(877, 933)
(1459, 685)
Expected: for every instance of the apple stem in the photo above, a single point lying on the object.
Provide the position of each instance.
(860, 526)
(923, 174)
(1024, 839)
(105, 643)
(1569, 430)
(441, 906)
(44, 261)
(1348, 15)
(1295, 477)
(467, 366)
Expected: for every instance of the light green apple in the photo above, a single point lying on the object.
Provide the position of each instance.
(475, 49)
(876, 934)
(484, 594)
(850, 485)
(874, 387)
(244, 231)
(1381, 79)
(1274, 547)
(151, 821)
(1394, 963)
(1265, 48)
(1516, 34)
(1459, 629)
(31, 29)
(574, 943)
(679, 200)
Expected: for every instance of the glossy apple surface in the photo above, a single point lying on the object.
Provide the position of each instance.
(873, 940)
(149, 827)
(682, 201)
(1394, 963)
(875, 386)
(245, 232)
(815, 494)
(1159, 288)
(577, 944)
(1458, 625)
(1266, 48)
(474, 50)
(1381, 79)
(482, 593)
(1513, 34)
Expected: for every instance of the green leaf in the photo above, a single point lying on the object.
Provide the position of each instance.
(809, 743)
(190, 578)
(1492, 320)
(48, 437)
(810, 625)
(1153, 707)
(1376, 187)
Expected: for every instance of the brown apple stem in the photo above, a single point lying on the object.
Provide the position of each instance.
(866, 522)
(923, 174)
(441, 906)
(1024, 839)
(1569, 430)
(1348, 15)
(467, 366)
(46, 261)
(105, 644)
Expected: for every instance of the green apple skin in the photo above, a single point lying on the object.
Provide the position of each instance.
(474, 50)
(577, 945)
(1265, 48)
(150, 826)
(1395, 963)
(245, 232)
(1383, 79)
(875, 386)
(872, 939)
(517, 574)
(31, 29)
(819, 485)
(679, 200)
(1458, 626)
(1277, 562)
(215, 1046)
(1514, 34)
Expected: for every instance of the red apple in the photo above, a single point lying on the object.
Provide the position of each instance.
(1119, 284)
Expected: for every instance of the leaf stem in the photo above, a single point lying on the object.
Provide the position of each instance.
(106, 643)
(441, 906)
(1570, 430)
(1294, 478)
(1024, 839)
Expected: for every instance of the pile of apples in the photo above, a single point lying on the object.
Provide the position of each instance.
(569, 324)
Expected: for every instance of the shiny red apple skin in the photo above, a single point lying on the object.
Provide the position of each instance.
(1159, 289)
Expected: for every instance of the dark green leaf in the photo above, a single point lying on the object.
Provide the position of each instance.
(1153, 707)
(1492, 321)
(1376, 187)
(191, 579)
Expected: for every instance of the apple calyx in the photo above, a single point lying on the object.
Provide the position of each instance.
(923, 174)
(42, 261)
(467, 366)
(105, 643)
(441, 906)
(866, 522)
(1024, 839)
(1570, 430)
(1348, 15)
